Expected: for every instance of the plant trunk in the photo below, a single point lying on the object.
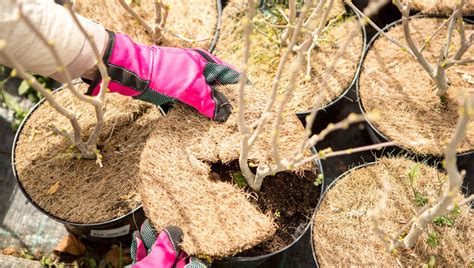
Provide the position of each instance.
(441, 81)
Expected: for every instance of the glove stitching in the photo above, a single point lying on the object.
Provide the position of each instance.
(130, 72)
(172, 241)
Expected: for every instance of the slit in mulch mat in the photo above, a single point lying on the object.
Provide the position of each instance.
(290, 199)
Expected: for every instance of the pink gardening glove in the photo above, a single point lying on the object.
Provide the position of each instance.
(149, 250)
(161, 75)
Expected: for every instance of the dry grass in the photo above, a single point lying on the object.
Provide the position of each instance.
(393, 83)
(441, 7)
(266, 53)
(87, 193)
(192, 19)
(342, 229)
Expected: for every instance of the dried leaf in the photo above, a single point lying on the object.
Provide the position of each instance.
(118, 256)
(9, 251)
(71, 245)
(54, 188)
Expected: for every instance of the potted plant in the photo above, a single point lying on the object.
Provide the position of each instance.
(440, 52)
(261, 148)
(60, 152)
(273, 28)
(183, 160)
(414, 198)
(347, 224)
(410, 214)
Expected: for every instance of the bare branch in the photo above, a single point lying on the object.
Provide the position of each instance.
(99, 105)
(428, 40)
(464, 43)
(324, 156)
(161, 14)
(371, 23)
(280, 69)
(49, 97)
(243, 128)
(455, 177)
(405, 10)
(344, 124)
(134, 14)
(460, 62)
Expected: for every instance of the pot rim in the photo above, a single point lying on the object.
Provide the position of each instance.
(217, 31)
(211, 48)
(377, 132)
(22, 189)
(319, 167)
(356, 74)
(323, 194)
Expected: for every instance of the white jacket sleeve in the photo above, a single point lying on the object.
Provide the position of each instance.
(53, 21)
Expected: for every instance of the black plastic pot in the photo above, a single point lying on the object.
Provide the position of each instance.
(215, 38)
(323, 193)
(465, 161)
(347, 94)
(112, 231)
(297, 254)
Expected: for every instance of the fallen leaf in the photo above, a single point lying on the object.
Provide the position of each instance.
(71, 245)
(118, 257)
(9, 251)
(54, 188)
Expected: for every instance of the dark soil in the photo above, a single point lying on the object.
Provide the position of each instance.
(288, 197)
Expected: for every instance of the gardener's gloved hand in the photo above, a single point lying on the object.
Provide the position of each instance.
(160, 75)
(149, 250)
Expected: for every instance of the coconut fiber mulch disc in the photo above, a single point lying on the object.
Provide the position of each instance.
(343, 233)
(178, 187)
(79, 190)
(192, 19)
(393, 83)
(441, 7)
(266, 51)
